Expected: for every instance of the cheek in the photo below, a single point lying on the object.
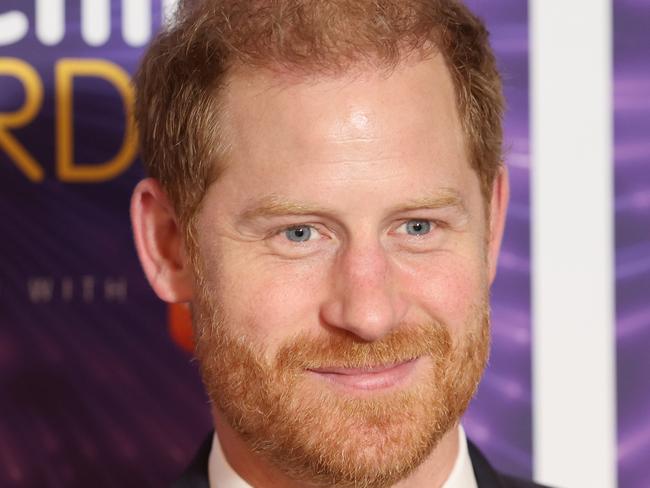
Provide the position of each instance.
(269, 302)
(448, 287)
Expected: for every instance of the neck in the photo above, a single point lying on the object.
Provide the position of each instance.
(259, 472)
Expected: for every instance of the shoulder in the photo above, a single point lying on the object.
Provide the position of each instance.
(513, 482)
(488, 477)
(196, 474)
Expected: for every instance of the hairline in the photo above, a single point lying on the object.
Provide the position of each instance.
(293, 73)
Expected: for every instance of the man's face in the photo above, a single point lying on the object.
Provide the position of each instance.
(341, 296)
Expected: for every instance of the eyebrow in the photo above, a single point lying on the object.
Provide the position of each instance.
(445, 198)
(276, 206)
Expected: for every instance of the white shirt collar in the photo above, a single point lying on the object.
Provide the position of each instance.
(221, 474)
(462, 474)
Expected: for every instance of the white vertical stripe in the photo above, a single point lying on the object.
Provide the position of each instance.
(169, 8)
(136, 22)
(573, 279)
(50, 21)
(96, 21)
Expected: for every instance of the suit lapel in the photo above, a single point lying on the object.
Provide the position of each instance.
(196, 474)
(486, 476)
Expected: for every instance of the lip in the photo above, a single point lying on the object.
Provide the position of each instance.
(365, 379)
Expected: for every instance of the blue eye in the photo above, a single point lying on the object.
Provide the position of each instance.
(298, 234)
(418, 227)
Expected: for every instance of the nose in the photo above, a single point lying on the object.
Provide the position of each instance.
(365, 298)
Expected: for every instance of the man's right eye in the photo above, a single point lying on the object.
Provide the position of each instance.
(301, 233)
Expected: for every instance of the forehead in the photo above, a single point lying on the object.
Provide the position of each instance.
(400, 125)
(417, 95)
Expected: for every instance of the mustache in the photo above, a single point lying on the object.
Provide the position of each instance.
(344, 350)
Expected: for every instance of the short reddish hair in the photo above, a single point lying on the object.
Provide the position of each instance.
(179, 81)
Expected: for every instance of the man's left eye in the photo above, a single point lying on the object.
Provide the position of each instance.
(417, 227)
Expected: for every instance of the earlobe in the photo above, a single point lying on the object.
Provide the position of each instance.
(159, 243)
(498, 211)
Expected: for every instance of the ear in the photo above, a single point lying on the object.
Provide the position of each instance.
(159, 243)
(498, 211)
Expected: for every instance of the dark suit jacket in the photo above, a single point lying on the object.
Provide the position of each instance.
(196, 474)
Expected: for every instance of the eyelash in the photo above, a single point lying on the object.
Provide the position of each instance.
(299, 226)
(278, 231)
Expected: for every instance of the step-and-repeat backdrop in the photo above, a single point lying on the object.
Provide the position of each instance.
(96, 388)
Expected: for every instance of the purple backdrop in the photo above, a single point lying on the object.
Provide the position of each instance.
(92, 390)
(632, 173)
(500, 418)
